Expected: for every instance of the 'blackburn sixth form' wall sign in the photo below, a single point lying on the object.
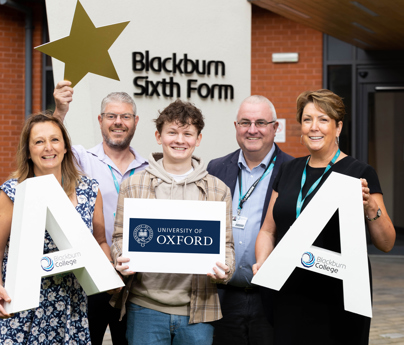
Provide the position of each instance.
(156, 51)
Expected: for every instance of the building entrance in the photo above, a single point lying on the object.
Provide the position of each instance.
(381, 144)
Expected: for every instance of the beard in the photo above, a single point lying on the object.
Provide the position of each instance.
(118, 144)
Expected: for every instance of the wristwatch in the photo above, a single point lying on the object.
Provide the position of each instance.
(378, 214)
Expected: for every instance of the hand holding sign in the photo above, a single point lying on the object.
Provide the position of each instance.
(122, 266)
(220, 274)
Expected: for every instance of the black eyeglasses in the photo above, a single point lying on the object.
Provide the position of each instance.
(258, 124)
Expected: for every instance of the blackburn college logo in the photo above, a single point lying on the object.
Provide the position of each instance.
(308, 259)
(47, 264)
(143, 234)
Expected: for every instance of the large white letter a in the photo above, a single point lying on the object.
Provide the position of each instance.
(296, 250)
(40, 203)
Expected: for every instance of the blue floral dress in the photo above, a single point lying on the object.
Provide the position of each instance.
(61, 317)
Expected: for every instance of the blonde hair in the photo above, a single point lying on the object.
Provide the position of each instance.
(25, 166)
(323, 99)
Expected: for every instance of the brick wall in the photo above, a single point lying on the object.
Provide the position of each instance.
(282, 83)
(12, 79)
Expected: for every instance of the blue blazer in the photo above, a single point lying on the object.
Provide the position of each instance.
(226, 169)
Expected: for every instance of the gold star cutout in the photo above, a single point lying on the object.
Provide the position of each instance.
(86, 49)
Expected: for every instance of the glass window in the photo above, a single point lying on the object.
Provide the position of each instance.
(338, 50)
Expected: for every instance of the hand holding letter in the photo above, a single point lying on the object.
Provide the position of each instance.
(4, 298)
(256, 267)
(365, 193)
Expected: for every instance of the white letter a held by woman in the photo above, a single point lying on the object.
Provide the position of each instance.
(41, 203)
(342, 193)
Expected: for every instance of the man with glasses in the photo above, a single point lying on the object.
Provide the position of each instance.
(249, 173)
(110, 162)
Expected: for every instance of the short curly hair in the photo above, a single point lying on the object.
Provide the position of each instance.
(323, 99)
(183, 113)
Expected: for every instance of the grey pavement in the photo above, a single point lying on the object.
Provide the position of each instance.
(107, 338)
(388, 301)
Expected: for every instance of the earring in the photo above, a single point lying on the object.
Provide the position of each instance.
(337, 141)
(301, 139)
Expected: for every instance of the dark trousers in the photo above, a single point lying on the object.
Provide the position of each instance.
(244, 321)
(100, 315)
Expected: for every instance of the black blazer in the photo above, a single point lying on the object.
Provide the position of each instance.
(226, 169)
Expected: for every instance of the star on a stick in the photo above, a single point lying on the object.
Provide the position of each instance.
(86, 49)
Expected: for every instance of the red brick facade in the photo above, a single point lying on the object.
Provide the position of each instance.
(12, 76)
(282, 83)
(271, 33)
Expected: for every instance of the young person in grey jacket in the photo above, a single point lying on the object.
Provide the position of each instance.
(173, 308)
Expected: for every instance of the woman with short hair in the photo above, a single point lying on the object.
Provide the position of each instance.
(309, 308)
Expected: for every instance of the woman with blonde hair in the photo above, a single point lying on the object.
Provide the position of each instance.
(309, 308)
(61, 318)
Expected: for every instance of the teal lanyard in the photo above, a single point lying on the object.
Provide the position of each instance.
(117, 187)
(242, 200)
(300, 202)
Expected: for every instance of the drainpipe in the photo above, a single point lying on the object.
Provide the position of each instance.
(28, 51)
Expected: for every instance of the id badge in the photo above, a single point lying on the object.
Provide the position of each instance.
(239, 222)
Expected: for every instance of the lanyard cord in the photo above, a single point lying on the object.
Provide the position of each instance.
(300, 202)
(117, 186)
(242, 200)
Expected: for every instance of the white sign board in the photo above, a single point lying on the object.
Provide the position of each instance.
(41, 203)
(280, 136)
(185, 49)
(296, 249)
(174, 236)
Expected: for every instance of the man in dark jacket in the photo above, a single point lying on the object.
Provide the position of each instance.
(249, 173)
